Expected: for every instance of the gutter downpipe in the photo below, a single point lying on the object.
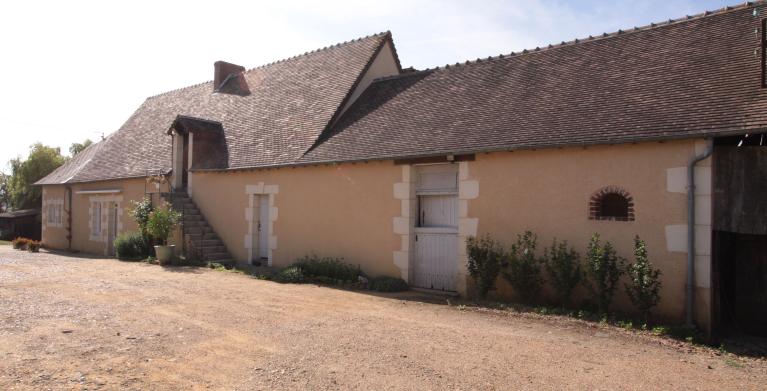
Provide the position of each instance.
(691, 229)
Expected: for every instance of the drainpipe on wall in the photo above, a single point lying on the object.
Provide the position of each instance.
(691, 228)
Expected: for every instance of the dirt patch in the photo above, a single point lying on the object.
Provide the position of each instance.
(76, 323)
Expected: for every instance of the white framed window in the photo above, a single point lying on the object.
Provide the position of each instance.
(54, 212)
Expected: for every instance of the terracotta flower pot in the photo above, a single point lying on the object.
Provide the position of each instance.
(164, 254)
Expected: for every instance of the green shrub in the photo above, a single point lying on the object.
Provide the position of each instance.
(388, 284)
(161, 222)
(644, 290)
(131, 245)
(523, 270)
(563, 267)
(604, 269)
(328, 269)
(140, 212)
(20, 243)
(33, 246)
(485, 257)
(291, 274)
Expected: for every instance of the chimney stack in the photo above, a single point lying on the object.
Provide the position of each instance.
(224, 72)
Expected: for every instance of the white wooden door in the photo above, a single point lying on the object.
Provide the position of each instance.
(436, 231)
(436, 253)
(263, 227)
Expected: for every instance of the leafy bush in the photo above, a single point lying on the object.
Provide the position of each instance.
(140, 212)
(131, 245)
(20, 243)
(388, 284)
(485, 259)
(644, 290)
(604, 269)
(328, 269)
(33, 246)
(563, 267)
(524, 268)
(289, 275)
(161, 222)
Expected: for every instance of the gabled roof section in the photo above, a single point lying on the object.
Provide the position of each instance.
(692, 77)
(290, 103)
(68, 170)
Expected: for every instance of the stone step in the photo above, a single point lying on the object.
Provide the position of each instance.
(208, 236)
(213, 249)
(193, 217)
(197, 229)
(216, 256)
(196, 224)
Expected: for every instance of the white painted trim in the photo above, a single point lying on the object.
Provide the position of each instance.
(401, 225)
(468, 190)
(251, 216)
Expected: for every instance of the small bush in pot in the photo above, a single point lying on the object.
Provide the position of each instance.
(160, 224)
(486, 257)
(140, 212)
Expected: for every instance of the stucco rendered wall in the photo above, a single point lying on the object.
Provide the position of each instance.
(341, 210)
(130, 190)
(548, 192)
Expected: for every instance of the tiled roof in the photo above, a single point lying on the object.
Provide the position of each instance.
(687, 78)
(291, 102)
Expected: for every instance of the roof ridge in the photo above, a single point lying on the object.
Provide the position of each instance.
(606, 35)
(381, 34)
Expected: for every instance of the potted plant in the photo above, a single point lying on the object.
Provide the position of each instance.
(160, 225)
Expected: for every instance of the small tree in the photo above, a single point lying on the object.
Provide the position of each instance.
(644, 290)
(563, 267)
(485, 259)
(604, 268)
(524, 268)
(140, 212)
(161, 222)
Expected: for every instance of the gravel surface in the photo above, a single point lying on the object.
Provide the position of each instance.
(72, 322)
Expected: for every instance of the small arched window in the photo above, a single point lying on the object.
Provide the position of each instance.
(611, 203)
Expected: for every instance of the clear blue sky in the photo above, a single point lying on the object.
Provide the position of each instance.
(74, 69)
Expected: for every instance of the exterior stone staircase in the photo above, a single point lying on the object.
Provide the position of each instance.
(200, 240)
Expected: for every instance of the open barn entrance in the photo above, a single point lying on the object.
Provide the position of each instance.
(739, 262)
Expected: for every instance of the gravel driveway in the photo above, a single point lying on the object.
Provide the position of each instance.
(87, 323)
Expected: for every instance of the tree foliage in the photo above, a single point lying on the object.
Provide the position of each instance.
(563, 267)
(604, 269)
(524, 268)
(76, 148)
(42, 160)
(5, 197)
(485, 259)
(644, 290)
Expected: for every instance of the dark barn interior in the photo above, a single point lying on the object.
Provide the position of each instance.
(739, 264)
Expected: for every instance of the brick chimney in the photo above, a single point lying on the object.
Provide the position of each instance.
(228, 79)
